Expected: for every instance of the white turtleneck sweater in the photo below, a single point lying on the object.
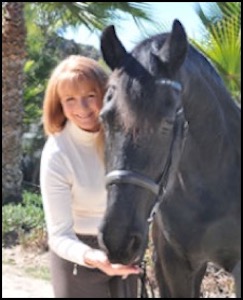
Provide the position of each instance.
(73, 190)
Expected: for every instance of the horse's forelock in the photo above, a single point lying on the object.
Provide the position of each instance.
(135, 84)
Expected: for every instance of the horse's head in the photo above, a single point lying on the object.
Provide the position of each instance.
(143, 123)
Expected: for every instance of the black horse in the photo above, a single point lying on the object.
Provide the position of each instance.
(172, 144)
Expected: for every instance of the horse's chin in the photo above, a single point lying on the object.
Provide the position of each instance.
(136, 259)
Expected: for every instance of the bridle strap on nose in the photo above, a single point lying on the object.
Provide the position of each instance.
(174, 84)
(123, 176)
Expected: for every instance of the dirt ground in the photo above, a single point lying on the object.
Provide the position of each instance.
(25, 275)
(15, 284)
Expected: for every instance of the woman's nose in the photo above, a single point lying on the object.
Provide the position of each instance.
(83, 103)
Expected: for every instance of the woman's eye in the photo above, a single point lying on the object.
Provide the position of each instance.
(91, 97)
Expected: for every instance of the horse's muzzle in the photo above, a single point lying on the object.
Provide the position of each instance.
(130, 251)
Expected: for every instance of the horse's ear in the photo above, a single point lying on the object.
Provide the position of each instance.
(112, 49)
(174, 50)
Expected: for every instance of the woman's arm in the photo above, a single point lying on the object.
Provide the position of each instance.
(56, 196)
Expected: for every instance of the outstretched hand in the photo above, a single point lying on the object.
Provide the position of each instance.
(98, 259)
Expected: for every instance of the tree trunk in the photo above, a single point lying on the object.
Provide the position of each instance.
(13, 56)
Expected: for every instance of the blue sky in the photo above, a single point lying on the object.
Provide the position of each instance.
(162, 12)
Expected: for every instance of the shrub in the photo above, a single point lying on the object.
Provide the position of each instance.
(24, 223)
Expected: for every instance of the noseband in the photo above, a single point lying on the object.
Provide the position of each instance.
(174, 84)
(123, 176)
(131, 177)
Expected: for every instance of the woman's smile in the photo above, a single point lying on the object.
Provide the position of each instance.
(85, 117)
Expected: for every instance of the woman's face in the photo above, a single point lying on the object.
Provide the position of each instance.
(81, 105)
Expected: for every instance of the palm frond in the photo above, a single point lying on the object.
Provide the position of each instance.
(222, 45)
(96, 15)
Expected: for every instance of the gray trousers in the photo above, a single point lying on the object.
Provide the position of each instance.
(86, 282)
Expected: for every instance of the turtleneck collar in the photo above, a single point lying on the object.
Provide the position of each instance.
(80, 135)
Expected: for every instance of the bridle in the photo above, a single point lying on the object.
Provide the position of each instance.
(158, 188)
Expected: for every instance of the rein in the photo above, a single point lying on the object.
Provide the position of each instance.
(145, 283)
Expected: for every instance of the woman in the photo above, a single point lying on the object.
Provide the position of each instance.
(72, 185)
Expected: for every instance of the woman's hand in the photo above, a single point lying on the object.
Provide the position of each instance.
(98, 259)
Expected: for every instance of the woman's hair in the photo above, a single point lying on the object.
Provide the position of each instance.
(72, 70)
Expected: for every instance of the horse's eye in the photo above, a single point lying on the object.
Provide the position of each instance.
(107, 113)
(109, 94)
(108, 97)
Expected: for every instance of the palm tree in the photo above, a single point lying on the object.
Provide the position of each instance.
(222, 43)
(93, 15)
(13, 58)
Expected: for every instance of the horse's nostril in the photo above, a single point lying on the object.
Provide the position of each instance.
(135, 243)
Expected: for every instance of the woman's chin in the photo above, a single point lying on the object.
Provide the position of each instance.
(88, 126)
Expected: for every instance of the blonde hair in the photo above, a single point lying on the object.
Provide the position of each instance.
(72, 70)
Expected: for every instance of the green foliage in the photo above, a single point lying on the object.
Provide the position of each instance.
(22, 220)
(37, 70)
(93, 15)
(32, 199)
(222, 43)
